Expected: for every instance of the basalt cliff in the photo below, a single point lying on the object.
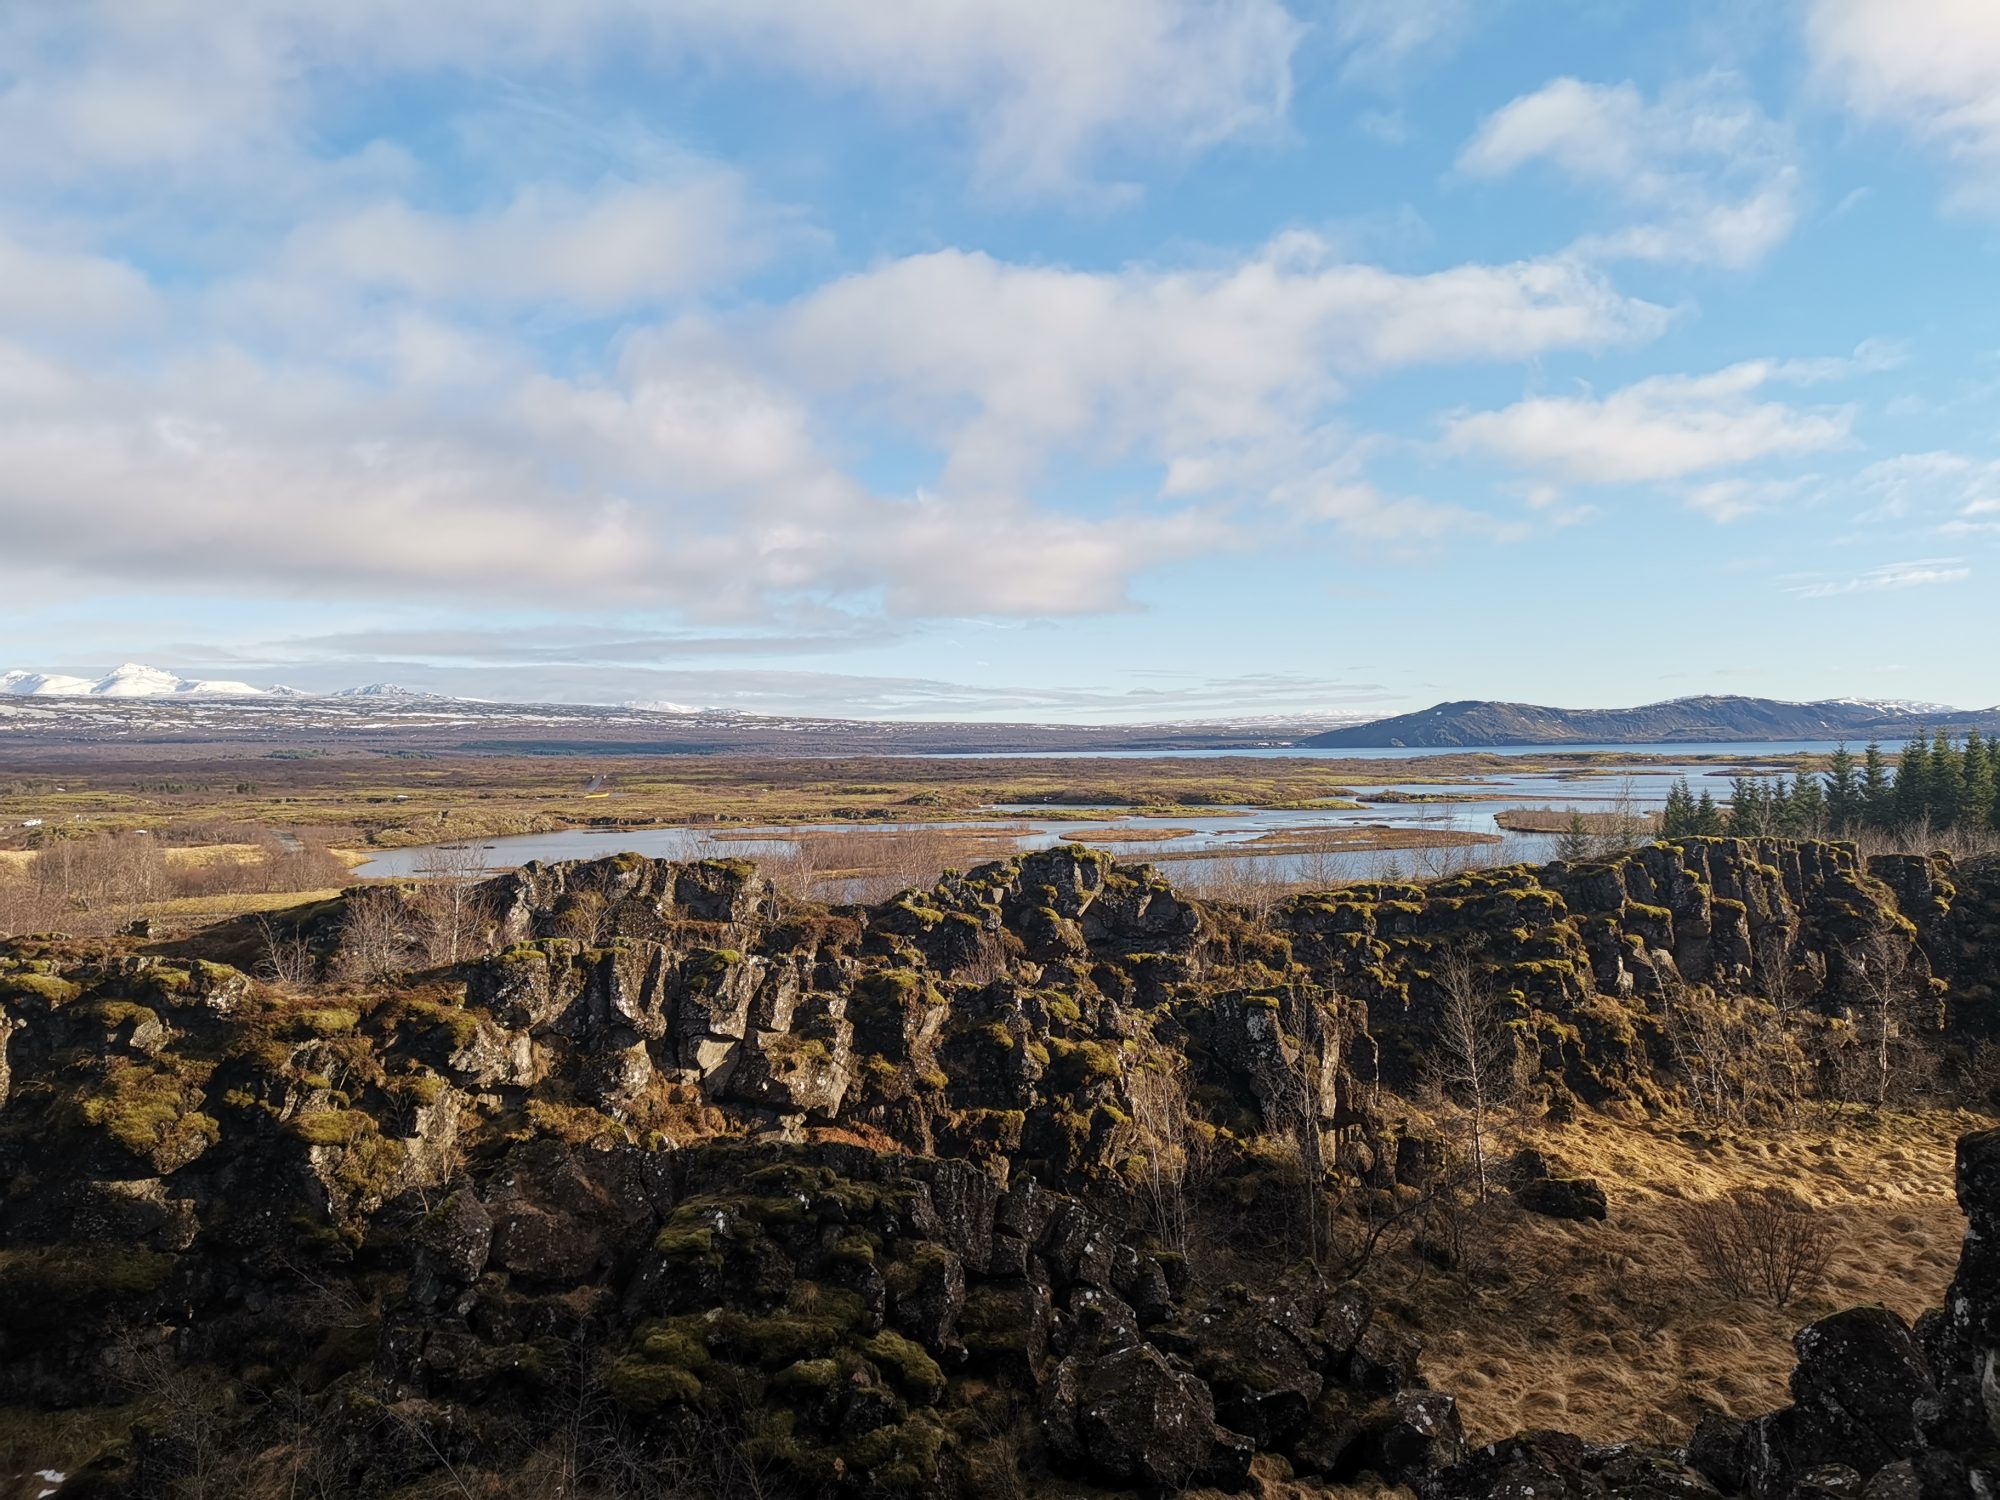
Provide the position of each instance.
(673, 1187)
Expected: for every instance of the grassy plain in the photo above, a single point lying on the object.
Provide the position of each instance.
(399, 798)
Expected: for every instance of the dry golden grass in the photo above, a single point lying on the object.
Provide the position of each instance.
(184, 857)
(1611, 1331)
(356, 795)
(193, 910)
(1560, 819)
(1128, 835)
(1333, 839)
(1271, 1479)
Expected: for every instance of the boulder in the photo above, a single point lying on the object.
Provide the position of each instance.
(1134, 1419)
(1562, 1197)
(1859, 1378)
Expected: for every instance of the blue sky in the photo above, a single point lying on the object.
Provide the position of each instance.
(1144, 359)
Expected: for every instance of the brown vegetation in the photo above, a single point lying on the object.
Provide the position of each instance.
(1561, 819)
(1617, 1330)
(99, 883)
(397, 798)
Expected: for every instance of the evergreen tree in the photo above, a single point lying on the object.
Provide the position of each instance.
(1993, 775)
(1912, 804)
(1993, 778)
(1843, 792)
(1783, 819)
(1945, 794)
(1742, 804)
(1707, 816)
(1878, 802)
(1575, 843)
(1753, 807)
(1677, 819)
(1977, 783)
(1805, 807)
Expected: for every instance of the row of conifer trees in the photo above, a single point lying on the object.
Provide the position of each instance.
(1935, 784)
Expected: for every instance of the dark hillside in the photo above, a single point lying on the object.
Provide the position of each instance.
(1684, 720)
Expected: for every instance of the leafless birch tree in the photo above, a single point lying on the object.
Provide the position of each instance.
(1474, 1058)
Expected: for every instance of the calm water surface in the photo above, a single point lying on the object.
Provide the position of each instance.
(1468, 805)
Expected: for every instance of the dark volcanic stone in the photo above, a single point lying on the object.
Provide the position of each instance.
(1562, 1197)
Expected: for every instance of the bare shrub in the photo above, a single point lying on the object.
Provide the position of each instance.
(1171, 1155)
(1738, 1057)
(584, 913)
(274, 860)
(1319, 869)
(1473, 1058)
(288, 955)
(448, 902)
(1454, 1223)
(98, 882)
(871, 865)
(1789, 973)
(1307, 1108)
(1887, 990)
(373, 944)
(794, 870)
(1766, 1243)
(106, 876)
(26, 906)
(1252, 884)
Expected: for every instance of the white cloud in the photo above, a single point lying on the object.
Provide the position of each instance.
(626, 243)
(1041, 86)
(367, 393)
(1665, 427)
(1005, 365)
(68, 291)
(1726, 500)
(1383, 36)
(1925, 573)
(687, 489)
(1955, 487)
(1046, 82)
(714, 471)
(1713, 175)
(1931, 66)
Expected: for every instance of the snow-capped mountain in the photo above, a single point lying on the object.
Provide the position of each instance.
(1898, 707)
(135, 681)
(130, 680)
(383, 690)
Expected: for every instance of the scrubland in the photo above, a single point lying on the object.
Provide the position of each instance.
(1615, 1331)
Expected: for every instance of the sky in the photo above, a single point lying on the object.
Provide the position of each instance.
(1006, 359)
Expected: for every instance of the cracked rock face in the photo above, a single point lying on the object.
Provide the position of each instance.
(857, 1184)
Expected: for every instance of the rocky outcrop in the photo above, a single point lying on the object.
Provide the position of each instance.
(864, 1188)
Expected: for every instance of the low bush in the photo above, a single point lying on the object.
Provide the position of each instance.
(1766, 1243)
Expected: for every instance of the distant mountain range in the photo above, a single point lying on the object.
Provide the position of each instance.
(129, 681)
(135, 681)
(1477, 722)
(134, 699)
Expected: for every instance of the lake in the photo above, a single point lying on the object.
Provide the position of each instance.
(1467, 805)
